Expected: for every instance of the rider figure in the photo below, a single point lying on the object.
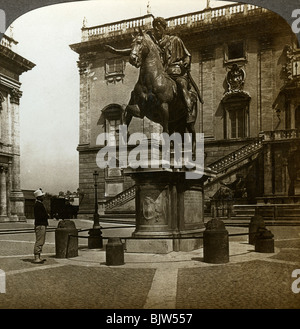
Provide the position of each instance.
(176, 58)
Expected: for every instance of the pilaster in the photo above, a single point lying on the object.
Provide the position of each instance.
(16, 197)
(266, 74)
(84, 65)
(3, 194)
(268, 179)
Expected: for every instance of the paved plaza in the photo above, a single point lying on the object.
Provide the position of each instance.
(178, 280)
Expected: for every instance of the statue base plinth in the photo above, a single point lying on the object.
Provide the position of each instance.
(151, 246)
(169, 211)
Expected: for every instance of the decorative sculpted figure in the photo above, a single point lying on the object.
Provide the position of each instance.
(235, 78)
(163, 90)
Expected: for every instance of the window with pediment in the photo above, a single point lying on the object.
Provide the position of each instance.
(114, 70)
(235, 51)
(112, 116)
(237, 122)
(236, 104)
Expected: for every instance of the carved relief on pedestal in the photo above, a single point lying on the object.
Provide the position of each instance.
(153, 206)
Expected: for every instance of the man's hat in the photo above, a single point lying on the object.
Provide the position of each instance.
(38, 193)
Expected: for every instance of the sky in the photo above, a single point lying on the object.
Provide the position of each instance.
(49, 107)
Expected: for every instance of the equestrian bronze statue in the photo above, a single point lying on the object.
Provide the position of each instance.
(163, 91)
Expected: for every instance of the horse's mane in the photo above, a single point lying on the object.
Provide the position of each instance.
(153, 43)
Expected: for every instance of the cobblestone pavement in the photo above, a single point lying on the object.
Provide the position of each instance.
(179, 280)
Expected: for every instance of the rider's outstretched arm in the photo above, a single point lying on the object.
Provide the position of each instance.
(124, 52)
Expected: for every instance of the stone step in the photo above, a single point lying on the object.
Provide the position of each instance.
(118, 214)
(117, 220)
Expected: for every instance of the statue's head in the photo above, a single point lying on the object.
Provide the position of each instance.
(139, 50)
(159, 26)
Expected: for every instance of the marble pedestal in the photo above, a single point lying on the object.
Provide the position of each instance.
(168, 207)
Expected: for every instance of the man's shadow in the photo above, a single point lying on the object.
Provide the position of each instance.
(30, 260)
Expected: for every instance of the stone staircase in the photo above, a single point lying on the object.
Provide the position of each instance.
(233, 160)
(120, 199)
(115, 210)
(273, 214)
(121, 208)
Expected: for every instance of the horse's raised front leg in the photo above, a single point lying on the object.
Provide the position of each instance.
(130, 112)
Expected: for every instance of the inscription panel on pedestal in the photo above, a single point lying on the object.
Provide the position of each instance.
(193, 206)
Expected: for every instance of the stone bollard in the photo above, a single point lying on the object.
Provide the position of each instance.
(256, 222)
(66, 246)
(215, 242)
(114, 252)
(95, 238)
(264, 241)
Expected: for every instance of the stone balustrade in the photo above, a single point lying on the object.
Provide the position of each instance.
(279, 135)
(8, 42)
(188, 20)
(236, 156)
(120, 27)
(121, 198)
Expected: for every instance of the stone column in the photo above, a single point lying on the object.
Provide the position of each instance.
(3, 195)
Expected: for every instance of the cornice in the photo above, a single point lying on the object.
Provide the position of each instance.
(9, 82)
(14, 62)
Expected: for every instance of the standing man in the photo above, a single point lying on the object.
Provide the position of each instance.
(40, 225)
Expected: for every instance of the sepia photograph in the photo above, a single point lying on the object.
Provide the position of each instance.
(149, 158)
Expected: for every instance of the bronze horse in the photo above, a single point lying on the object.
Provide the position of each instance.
(155, 94)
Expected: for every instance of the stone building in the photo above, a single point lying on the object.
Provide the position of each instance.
(245, 61)
(12, 66)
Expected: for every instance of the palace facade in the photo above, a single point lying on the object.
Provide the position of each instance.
(245, 61)
(12, 66)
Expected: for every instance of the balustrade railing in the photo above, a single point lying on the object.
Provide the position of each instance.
(190, 19)
(278, 135)
(236, 156)
(121, 198)
(124, 26)
(8, 42)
